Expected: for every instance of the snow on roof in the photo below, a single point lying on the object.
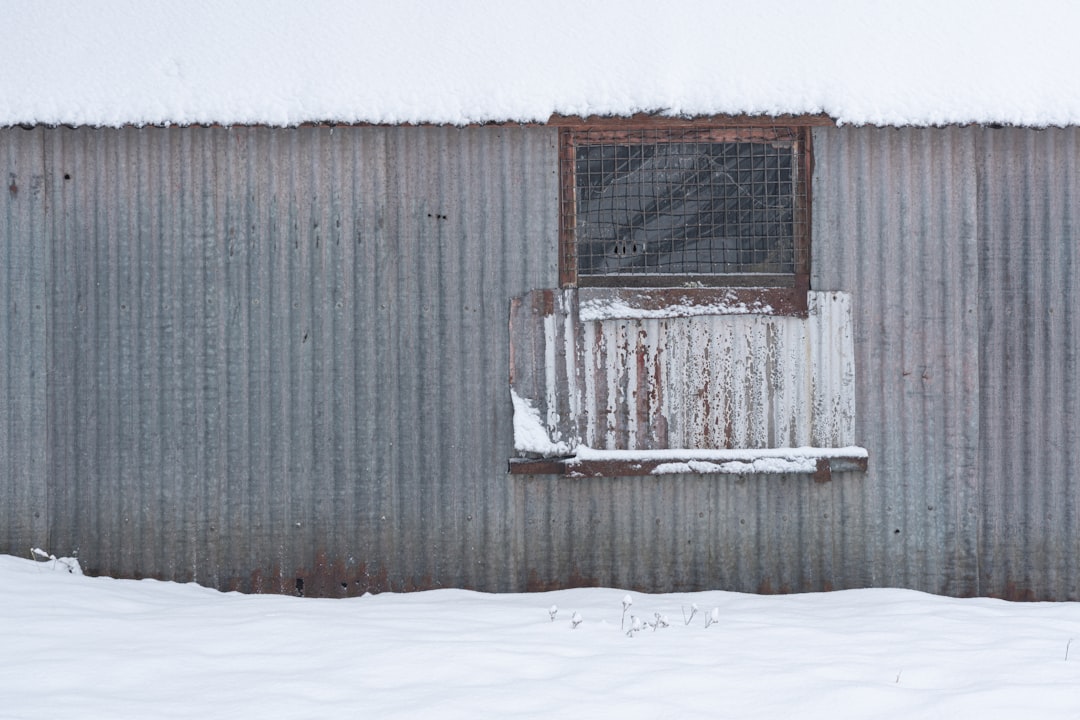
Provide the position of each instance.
(278, 62)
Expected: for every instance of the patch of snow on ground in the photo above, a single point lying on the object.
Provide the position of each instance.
(82, 647)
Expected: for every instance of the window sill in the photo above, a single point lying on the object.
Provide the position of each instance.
(598, 303)
(818, 463)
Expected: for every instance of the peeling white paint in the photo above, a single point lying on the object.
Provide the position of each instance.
(696, 383)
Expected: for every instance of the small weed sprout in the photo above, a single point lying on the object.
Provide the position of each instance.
(693, 611)
(69, 564)
(575, 620)
(714, 617)
(553, 611)
(659, 621)
(635, 626)
(627, 601)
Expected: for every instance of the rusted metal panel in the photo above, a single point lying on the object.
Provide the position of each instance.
(23, 309)
(614, 377)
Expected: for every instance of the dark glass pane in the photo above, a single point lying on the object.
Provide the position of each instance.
(685, 208)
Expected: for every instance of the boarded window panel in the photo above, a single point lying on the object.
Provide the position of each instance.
(601, 373)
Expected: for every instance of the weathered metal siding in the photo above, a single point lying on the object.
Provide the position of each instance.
(23, 270)
(281, 354)
(720, 380)
(895, 224)
(753, 533)
(1029, 400)
(895, 220)
(961, 249)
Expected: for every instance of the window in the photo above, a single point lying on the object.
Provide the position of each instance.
(684, 337)
(685, 207)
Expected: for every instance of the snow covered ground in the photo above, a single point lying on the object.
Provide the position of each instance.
(81, 647)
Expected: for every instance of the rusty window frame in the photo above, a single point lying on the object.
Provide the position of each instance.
(789, 288)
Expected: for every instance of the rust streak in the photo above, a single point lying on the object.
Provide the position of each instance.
(641, 401)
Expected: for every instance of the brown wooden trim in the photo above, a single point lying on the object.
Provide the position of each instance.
(673, 280)
(786, 136)
(648, 120)
(567, 211)
(660, 281)
(804, 197)
(530, 466)
(555, 120)
(571, 467)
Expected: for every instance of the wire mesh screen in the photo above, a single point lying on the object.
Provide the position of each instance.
(663, 202)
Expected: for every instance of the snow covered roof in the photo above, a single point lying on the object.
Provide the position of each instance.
(278, 62)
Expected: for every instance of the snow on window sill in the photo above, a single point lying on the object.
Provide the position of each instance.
(638, 303)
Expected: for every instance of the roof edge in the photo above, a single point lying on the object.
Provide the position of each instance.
(641, 119)
(674, 121)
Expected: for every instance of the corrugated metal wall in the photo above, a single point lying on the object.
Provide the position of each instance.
(960, 251)
(896, 225)
(1029, 400)
(24, 512)
(282, 354)
(960, 248)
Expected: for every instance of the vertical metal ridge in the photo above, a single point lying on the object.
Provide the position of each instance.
(24, 499)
